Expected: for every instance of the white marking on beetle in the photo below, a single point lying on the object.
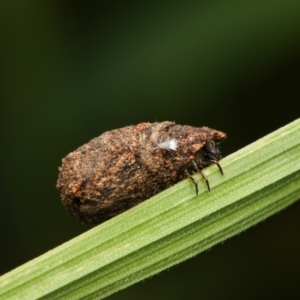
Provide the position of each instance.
(168, 145)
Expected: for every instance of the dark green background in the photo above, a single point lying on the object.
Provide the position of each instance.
(70, 70)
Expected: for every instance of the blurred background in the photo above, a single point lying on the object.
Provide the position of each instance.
(70, 70)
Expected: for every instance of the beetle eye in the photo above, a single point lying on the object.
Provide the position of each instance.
(211, 151)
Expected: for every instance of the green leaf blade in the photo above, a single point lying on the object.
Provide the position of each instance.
(259, 180)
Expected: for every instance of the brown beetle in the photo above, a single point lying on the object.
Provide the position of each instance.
(126, 166)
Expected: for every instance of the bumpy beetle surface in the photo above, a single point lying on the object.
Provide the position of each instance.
(126, 166)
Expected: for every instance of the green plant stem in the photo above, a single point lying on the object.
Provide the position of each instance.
(259, 180)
